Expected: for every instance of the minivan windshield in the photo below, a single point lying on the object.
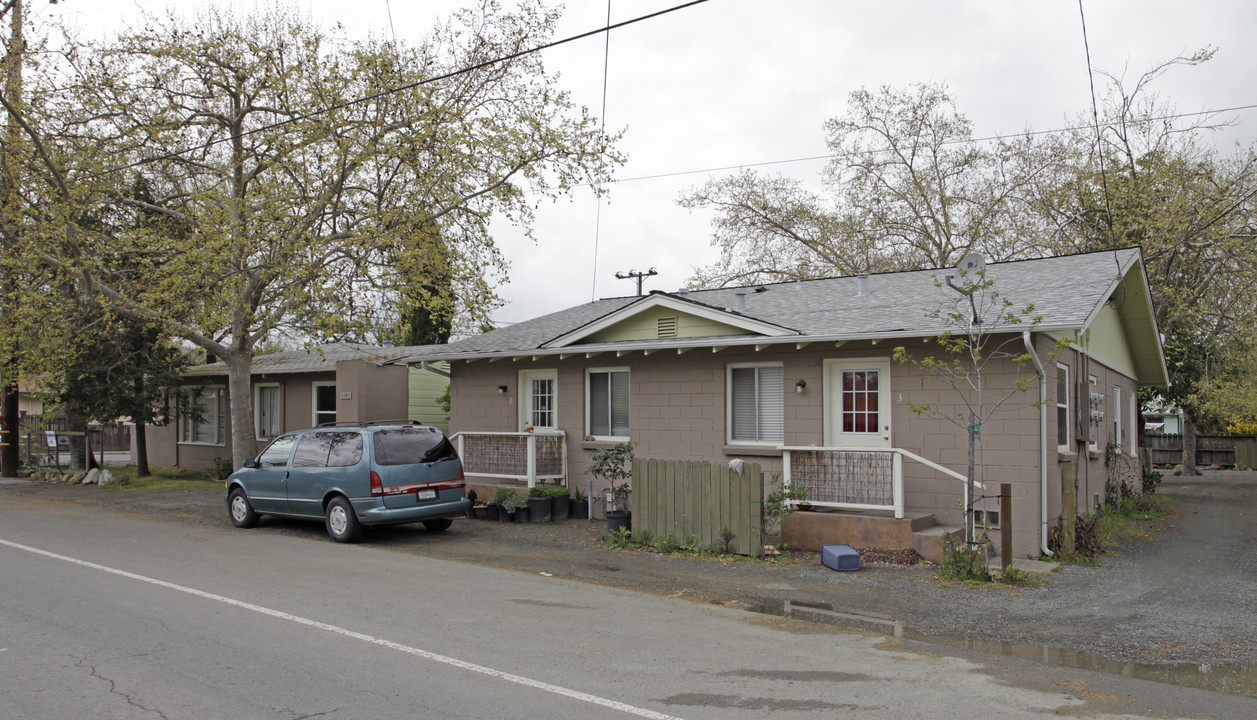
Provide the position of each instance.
(407, 446)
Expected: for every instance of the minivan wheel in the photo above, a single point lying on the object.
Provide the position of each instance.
(342, 524)
(241, 512)
(438, 525)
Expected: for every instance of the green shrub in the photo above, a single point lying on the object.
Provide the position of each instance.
(962, 561)
(667, 543)
(509, 500)
(620, 539)
(220, 469)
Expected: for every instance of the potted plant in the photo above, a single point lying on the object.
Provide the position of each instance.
(509, 504)
(613, 465)
(560, 507)
(579, 505)
(539, 504)
(475, 501)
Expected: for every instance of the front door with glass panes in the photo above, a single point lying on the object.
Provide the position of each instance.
(538, 392)
(857, 403)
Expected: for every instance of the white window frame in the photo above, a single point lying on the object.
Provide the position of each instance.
(1133, 434)
(187, 428)
(589, 372)
(314, 401)
(278, 410)
(1117, 420)
(729, 419)
(1093, 436)
(1063, 403)
(526, 398)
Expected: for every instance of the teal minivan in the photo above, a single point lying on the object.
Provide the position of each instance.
(352, 476)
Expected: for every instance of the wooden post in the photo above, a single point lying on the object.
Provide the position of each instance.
(1069, 508)
(1006, 527)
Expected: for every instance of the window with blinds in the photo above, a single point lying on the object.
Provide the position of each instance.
(608, 403)
(757, 404)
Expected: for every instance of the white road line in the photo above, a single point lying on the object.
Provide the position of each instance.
(444, 659)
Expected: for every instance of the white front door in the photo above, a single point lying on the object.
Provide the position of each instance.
(538, 408)
(857, 403)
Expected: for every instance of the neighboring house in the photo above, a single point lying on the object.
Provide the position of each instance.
(299, 389)
(745, 372)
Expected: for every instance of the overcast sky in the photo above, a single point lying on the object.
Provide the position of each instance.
(730, 83)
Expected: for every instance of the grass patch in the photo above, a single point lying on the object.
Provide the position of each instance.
(164, 479)
(1095, 534)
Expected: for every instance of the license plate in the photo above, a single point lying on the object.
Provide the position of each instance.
(427, 494)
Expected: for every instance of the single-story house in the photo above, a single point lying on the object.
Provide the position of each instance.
(298, 389)
(800, 375)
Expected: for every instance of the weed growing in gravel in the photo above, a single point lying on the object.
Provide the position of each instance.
(1096, 533)
(964, 562)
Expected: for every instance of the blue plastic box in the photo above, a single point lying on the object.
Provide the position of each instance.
(840, 557)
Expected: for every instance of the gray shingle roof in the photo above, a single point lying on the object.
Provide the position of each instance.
(1065, 290)
(320, 358)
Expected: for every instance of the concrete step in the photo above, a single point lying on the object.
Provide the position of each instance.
(929, 542)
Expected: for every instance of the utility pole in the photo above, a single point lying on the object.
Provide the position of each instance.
(638, 276)
(10, 216)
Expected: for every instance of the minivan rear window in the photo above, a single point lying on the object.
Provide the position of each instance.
(407, 446)
(328, 449)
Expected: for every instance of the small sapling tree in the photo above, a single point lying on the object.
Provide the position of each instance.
(981, 344)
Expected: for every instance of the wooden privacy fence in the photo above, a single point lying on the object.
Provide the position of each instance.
(1246, 452)
(694, 499)
(1222, 450)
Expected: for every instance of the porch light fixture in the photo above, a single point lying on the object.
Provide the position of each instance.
(799, 385)
(502, 389)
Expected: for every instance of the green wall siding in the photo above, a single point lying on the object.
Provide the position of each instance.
(426, 389)
(645, 326)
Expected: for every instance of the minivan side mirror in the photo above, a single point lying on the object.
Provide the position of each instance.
(251, 463)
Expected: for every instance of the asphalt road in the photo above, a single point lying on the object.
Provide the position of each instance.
(116, 615)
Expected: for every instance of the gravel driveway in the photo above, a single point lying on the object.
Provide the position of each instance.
(1187, 596)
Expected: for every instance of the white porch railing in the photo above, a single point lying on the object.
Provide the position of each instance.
(527, 456)
(854, 478)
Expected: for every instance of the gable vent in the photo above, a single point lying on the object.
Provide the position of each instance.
(667, 327)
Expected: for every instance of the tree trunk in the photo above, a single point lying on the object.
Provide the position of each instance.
(10, 455)
(141, 450)
(1189, 446)
(78, 439)
(243, 442)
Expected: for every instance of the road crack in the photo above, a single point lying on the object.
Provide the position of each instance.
(113, 689)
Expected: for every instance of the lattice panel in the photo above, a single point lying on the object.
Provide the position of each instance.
(495, 454)
(864, 478)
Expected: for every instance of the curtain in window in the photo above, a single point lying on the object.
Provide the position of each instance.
(268, 411)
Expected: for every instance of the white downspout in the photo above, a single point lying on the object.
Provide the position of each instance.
(1043, 447)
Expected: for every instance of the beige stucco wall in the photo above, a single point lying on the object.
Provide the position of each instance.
(376, 393)
(678, 411)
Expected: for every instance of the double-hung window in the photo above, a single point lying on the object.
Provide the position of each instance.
(1062, 408)
(324, 404)
(608, 404)
(756, 404)
(1116, 416)
(1097, 416)
(203, 420)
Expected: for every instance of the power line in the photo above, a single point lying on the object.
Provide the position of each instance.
(986, 138)
(409, 86)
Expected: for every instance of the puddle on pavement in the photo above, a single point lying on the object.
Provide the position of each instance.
(1230, 678)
